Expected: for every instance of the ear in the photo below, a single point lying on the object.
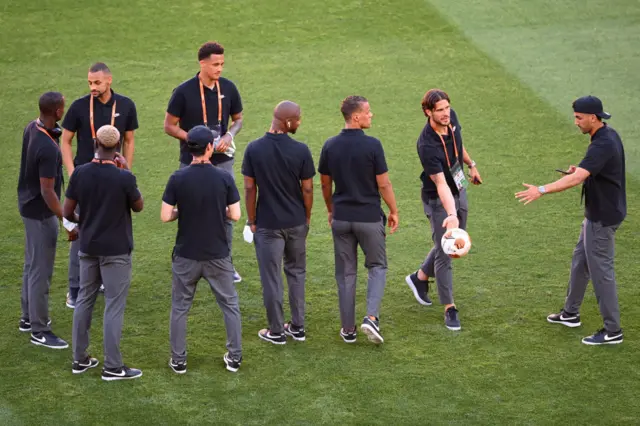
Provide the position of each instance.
(427, 113)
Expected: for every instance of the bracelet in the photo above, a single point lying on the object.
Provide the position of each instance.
(472, 165)
(452, 215)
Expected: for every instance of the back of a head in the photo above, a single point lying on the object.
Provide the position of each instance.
(432, 97)
(108, 136)
(351, 104)
(198, 138)
(50, 102)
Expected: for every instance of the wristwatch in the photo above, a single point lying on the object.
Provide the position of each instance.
(472, 165)
(541, 189)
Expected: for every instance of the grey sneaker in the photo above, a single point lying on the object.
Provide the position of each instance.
(372, 329)
(451, 320)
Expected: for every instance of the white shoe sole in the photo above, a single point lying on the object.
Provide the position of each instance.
(114, 378)
(566, 324)
(372, 334)
(230, 368)
(453, 328)
(297, 339)
(413, 288)
(613, 342)
(50, 347)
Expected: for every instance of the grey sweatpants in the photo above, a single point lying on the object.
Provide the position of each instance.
(272, 246)
(593, 259)
(115, 272)
(371, 237)
(437, 263)
(227, 166)
(39, 256)
(219, 274)
(74, 260)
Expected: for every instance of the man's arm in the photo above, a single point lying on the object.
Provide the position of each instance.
(386, 191)
(233, 211)
(476, 179)
(67, 150)
(172, 128)
(250, 198)
(236, 126)
(327, 188)
(128, 147)
(168, 213)
(532, 192)
(68, 210)
(307, 197)
(50, 197)
(448, 202)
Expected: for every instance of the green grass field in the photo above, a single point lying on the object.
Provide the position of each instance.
(511, 68)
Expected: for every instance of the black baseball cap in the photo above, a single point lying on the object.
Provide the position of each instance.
(200, 136)
(590, 105)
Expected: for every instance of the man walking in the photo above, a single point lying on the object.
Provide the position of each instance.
(210, 100)
(39, 186)
(205, 197)
(602, 175)
(444, 197)
(356, 163)
(87, 114)
(278, 172)
(106, 195)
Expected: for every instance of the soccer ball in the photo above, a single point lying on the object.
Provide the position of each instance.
(456, 242)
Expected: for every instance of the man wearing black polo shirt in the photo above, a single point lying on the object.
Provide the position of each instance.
(39, 185)
(280, 170)
(85, 116)
(444, 197)
(602, 174)
(356, 163)
(205, 197)
(210, 100)
(105, 194)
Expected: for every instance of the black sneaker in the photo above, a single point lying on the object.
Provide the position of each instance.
(178, 367)
(348, 337)
(296, 332)
(565, 318)
(420, 289)
(276, 339)
(122, 373)
(233, 364)
(372, 330)
(451, 320)
(25, 325)
(603, 337)
(71, 302)
(48, 340)
(79, 367)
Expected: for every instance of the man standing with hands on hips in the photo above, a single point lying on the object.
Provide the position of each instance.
(85, 116)
(602, 175)
(210, 100)
(444, 197)
(278, 173)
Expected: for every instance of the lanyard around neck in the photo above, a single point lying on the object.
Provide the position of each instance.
(113, 116)
(204, 105)
(444, 146)
(47, 133)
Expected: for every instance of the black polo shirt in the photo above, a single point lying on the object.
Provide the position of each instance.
(202, 193)
(434, 160)
(104, 194)
(353, 160)
(186, 104)
(77, 120)
(278, 163)
(41, 158)
(604, 190)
